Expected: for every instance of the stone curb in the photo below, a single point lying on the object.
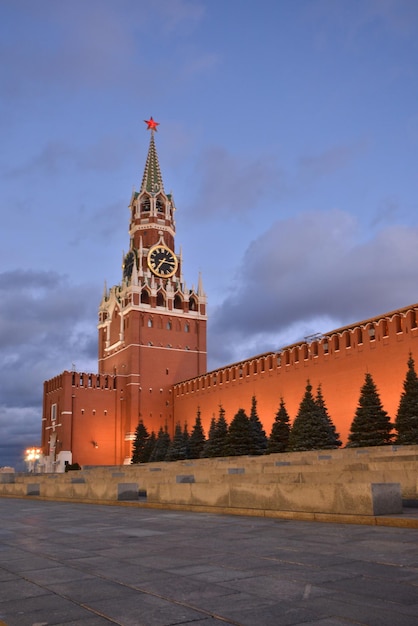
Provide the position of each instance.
(330, 518)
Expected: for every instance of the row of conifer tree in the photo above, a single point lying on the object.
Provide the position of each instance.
(312, 428)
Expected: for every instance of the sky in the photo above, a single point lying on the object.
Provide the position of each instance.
(288, 136)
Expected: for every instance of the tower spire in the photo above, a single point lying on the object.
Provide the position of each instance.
(152, 181)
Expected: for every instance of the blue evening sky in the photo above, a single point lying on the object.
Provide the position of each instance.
(288, 135)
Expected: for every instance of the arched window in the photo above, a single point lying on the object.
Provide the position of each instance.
(160, 299)
(145, 296)
(178, 302)
(150, 323)
(159, 205)
(193, 304)
(146, 204)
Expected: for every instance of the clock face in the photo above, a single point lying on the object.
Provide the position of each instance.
(162, 261)
(128, 264)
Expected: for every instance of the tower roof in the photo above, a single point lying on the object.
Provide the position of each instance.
(152, 180)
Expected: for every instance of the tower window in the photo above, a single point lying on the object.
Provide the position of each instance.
(160, 299)
(146, 204)
(193, 304)
(178, 302)
(187, 328)
(169, 325)
(149, 323)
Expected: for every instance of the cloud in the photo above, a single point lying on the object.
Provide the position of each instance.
(374, 18)
(331, 160)
(232, 185)
(45, 324)
(183, 14)
(92, 45)
(317, 267)
(55, 157)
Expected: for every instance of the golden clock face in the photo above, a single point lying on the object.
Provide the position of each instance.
(162, 261)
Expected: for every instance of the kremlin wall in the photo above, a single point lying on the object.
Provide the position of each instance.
(338, 361)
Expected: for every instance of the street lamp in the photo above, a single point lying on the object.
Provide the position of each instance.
(32, 455)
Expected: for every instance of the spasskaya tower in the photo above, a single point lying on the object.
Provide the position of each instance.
(152, 328)
(152, 334)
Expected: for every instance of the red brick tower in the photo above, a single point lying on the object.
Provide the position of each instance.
(152, 329)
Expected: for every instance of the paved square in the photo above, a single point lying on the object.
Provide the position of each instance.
(65, 563)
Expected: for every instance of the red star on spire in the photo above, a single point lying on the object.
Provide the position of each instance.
(151, 124)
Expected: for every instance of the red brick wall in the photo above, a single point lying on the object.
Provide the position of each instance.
(340, 371)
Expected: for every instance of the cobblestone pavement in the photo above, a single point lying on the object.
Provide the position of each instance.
(68, 563)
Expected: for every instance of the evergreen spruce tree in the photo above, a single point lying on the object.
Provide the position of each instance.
(186, 439)
(177, 450)
(140, 444)
(406, 422)
(209, 449)
(333, 440)
(310, 431)
(220, 442)
(217, 442)
(239, 434)
(197, 439)
(371, 425)
(161, 446)
(149, 447)
(280, 431)
(259, 438)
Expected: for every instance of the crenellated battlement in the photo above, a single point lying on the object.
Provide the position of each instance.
(80, 380)
(362, 335)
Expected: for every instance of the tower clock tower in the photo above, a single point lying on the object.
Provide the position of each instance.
(152, 328)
